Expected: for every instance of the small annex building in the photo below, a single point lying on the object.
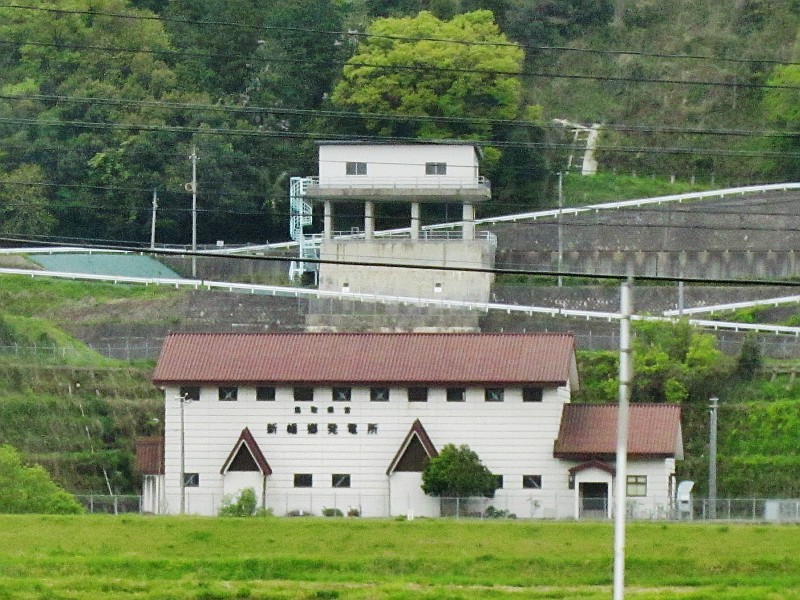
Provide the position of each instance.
(314, 421)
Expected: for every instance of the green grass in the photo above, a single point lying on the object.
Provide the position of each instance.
(606, 187)
(141, 557)
(26, 296)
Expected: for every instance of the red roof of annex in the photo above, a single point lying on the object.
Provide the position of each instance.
(435, 358)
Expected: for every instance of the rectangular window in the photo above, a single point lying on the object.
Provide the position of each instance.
(340, 480)
(493, 394)
(531, 394)
(191, 480)
(356, 168)
(303, 394)
(417, 394)
(303, 480)
(265, 393)
(532, 482)
(190, 392)
(456, 394)
(499, 483)
(435, 168)
(228, 394)
(636, 485)
(341, 394)
(379, 394)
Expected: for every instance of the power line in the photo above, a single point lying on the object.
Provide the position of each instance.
(488, 270)
(366, 35)
(259, 133)
(258, 110)
(510, 73)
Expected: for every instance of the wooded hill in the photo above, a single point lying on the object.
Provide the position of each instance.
(103, 101)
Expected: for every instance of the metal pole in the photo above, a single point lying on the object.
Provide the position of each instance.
(153, 220)
(620, 491)
(560, 227)
(712, 460)
(183, 460)
(194, 210)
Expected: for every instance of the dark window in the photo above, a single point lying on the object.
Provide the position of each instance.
(265, 393)
(228, 394)
(435, 168)
(493, 394)
(341, 480)
(456, 394)
(417, 394)
(303, 480)
(532, 482)
(356, 168)
(191, 480)
(303, 394)
(341, 394)
(312, 428)
(499, 482)
(531, 394)
(379, 394)
(190, 392)
(637, 485)
(243, 461)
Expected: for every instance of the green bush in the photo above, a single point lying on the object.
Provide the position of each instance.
(29, 489)
(332, 512)
(244, 506)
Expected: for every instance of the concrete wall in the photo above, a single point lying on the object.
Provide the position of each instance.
(454, 285)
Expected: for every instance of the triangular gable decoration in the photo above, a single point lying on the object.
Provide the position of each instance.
(246, 456)
(415, 451)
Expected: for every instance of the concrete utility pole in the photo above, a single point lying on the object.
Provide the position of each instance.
(193, 158)
(182, 400)
(153, 220)
(712, 460)
(560, 227)
(620, 497)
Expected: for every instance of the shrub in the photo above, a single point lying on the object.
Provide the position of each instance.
(30, 489)
(332, 512)
(244, 506)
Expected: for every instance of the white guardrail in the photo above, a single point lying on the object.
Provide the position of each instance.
(274, 290)
(552, 213)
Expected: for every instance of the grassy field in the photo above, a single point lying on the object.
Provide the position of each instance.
(206, 558)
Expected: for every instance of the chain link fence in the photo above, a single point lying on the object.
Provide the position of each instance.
(110, 504)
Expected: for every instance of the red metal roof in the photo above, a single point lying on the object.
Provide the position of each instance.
(366, 358)
(590, 431)
(150, 455)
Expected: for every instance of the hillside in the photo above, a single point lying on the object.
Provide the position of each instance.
(723, 37)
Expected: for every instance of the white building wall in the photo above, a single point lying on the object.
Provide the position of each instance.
(659, 499)
(397, 162)
(512, 438)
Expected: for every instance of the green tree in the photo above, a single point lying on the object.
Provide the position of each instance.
(475, 79)
(782, 108)
(29, 489)
(749, 361)
(23, 203)
(457, 473)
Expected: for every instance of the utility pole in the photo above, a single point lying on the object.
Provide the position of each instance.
(620, 497)
(712, 460)
(560, 227)
(153, 220)
(182, 400)
(193, 158)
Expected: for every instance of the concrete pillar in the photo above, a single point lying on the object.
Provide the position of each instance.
(415, 221)
(369, 220)
(327, 227)
(469, 222)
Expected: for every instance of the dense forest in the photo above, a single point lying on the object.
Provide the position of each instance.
(103, 101)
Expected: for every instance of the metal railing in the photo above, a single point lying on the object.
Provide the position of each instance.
(429, 182)
(110, 504)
